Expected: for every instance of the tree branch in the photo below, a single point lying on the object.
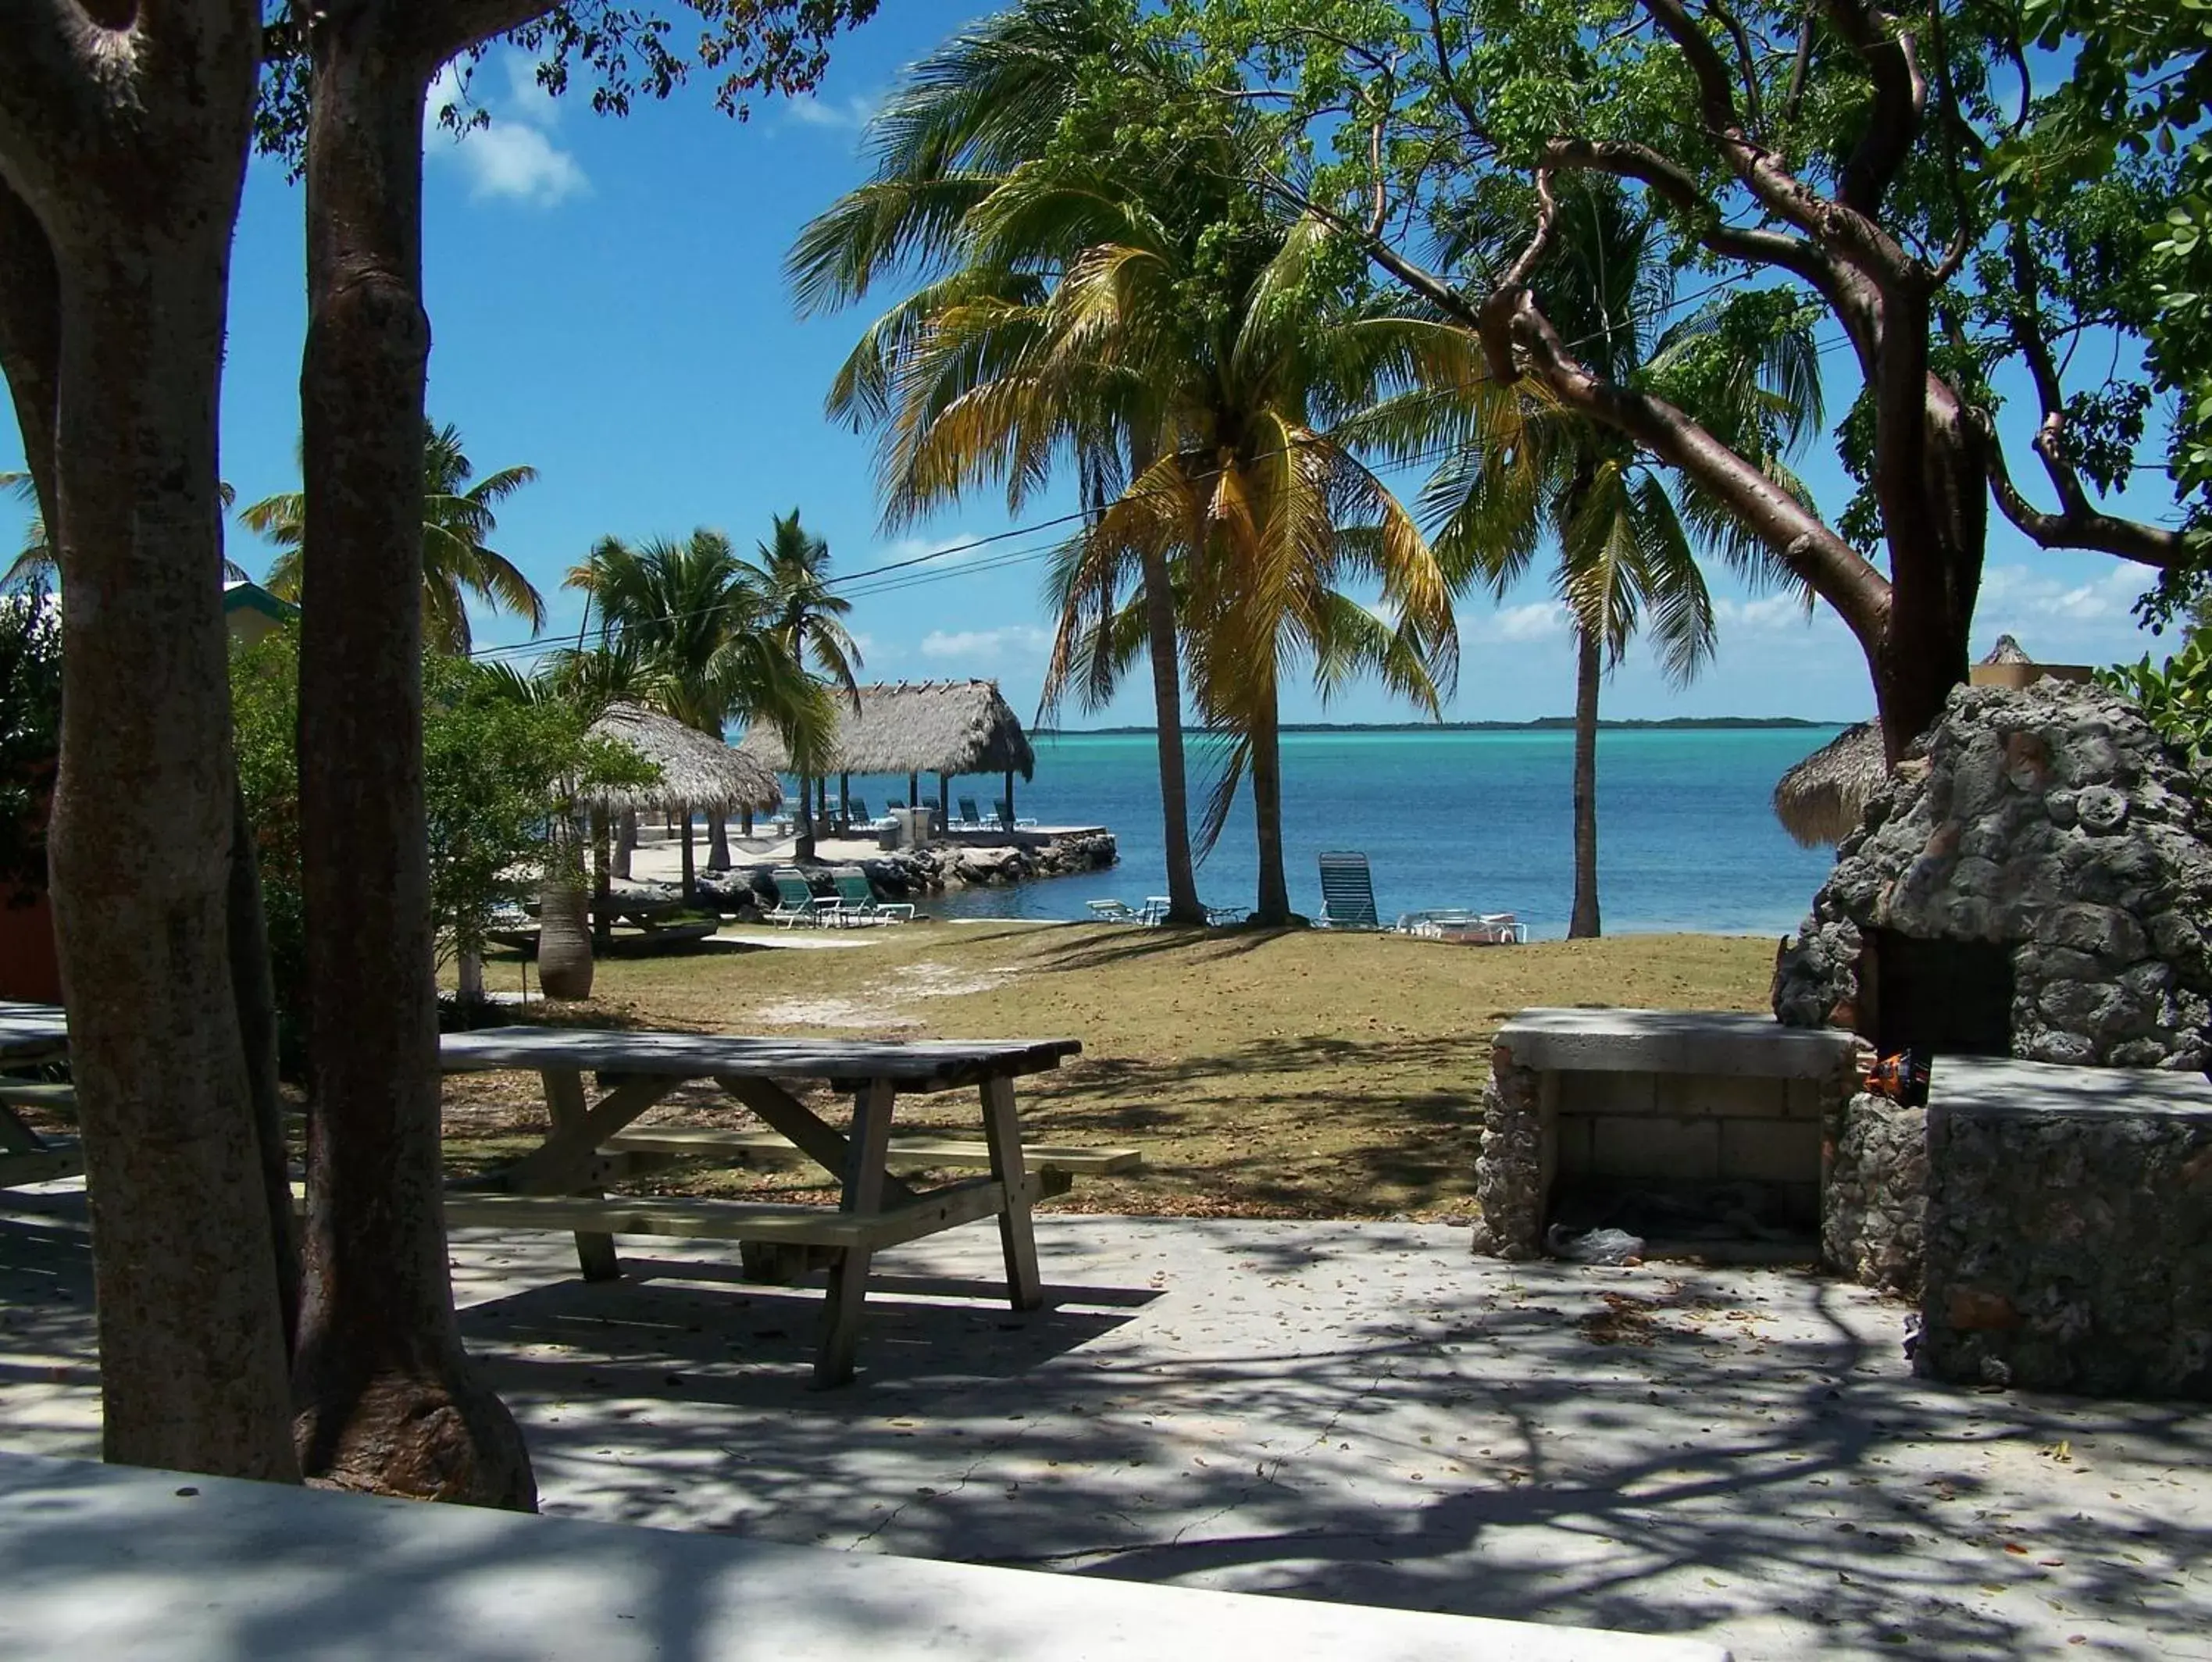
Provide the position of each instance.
(2084, 527)
(1798, 537)
(30, 343)
(1901, 101)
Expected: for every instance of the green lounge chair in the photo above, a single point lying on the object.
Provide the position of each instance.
(969, 819)
(1006, 819)
(1347, 891)
(856, 903)
(795, 902)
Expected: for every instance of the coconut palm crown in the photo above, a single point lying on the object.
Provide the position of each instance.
(459, 518)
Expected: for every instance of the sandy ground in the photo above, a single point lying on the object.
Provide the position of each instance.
(1350, 1412)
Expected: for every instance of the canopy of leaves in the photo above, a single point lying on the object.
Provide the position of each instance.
(747, 47)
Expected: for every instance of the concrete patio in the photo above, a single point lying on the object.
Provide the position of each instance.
(1359, 1412)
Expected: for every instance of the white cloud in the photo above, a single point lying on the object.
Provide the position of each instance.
(987, 646)
(837, 115)
(2019, 592)
(514, 159)
(1772, 612)
(1539, 620)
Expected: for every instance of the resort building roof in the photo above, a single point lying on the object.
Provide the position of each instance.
(916, 727)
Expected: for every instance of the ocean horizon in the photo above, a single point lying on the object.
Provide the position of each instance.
(1476, 814)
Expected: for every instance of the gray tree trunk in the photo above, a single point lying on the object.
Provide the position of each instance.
(1183, 904)
(1589, 673)
(387, 1400)
(718, 841)
(1274, 893)
(119, 188)
(625, 843)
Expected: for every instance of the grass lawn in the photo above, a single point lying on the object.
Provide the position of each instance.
(1301, 1074)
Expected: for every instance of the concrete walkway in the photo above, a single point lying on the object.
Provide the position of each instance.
(1355, 1412)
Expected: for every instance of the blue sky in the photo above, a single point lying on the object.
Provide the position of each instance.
(607, 304)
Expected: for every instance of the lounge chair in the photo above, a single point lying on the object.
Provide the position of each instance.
(1347, 891)
(1464, 928)
(795, 902)
(969, 819)
(1114, 912)
(856, 903)
(1006, 819)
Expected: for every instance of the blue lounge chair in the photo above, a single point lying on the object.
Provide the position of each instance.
(1006, 819)
(856, 903)
(1347, 891)
(795, 902)
(969, 819)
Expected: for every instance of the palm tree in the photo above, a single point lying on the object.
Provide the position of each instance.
(695, 616)
(458, 519)
(1627, 537)
(1137, 314)
(989, 101)
(794, 573)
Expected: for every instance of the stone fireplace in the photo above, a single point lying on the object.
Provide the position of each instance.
(2033, 882)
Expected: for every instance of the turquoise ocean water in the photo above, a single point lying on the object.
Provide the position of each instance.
(1685, 838)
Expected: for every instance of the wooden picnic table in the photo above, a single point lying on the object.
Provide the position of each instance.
(31, 1034)
(559, 1185)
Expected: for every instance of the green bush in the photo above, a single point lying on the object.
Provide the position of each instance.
(2176, 696)
(30, 734)
(498, 769)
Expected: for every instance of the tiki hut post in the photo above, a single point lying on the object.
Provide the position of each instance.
(943, 798)
(1010, 796)
(913, 788)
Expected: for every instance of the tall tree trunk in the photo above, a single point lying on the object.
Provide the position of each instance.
(1274, 896)
(1183, 905)
(718, 841)
(114, 286)
(1922, 647)
(253, 989)
(802, 849)
(625, 843)
(386, 1398)
(690, 871)
(603, 919)
(1589, 673)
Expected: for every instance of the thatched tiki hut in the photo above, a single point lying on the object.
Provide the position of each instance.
(916, 727)
(1822, 799)
(698, 771)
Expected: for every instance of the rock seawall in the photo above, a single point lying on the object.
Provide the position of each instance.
(914, 873)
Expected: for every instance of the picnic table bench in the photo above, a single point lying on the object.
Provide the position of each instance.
(31, 1034)
(560, 1184)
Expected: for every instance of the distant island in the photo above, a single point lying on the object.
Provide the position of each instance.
(1541, 725)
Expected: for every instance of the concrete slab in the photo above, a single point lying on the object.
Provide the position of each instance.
(1998, 1084)
(109, 1560)
(1359, 1412)
(1719, 1042)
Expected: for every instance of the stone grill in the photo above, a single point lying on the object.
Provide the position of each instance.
(2036, 864)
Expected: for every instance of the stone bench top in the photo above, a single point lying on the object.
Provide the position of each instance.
(1704, 1041)
(1983, 1087)
(109, 1561)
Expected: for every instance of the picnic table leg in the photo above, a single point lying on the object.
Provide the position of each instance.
(564, 1098)
(1002, 1134)
(866, 1152)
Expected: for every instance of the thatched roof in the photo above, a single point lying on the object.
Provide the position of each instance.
(1822, 799)
(916, 727)
(696, 769)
